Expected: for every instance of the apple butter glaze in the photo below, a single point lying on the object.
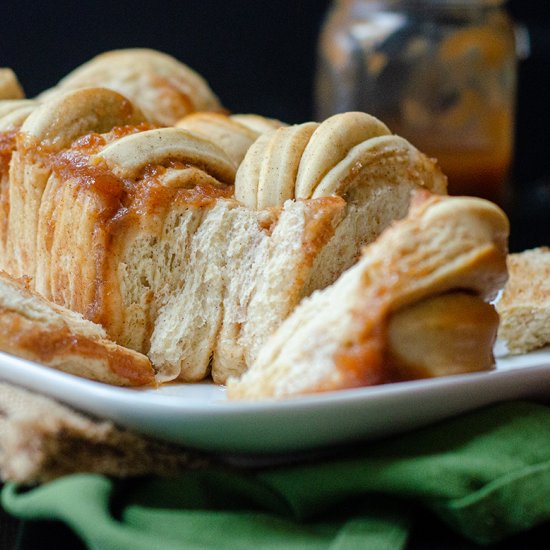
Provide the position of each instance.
(121, 198)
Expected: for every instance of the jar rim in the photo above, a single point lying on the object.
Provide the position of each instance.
(433, 3)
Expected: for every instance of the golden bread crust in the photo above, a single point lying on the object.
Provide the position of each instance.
(342, 155)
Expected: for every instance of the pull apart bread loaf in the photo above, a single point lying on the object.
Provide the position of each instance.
(33, 328)
(176, 249)
(524, 306)
(412, 307)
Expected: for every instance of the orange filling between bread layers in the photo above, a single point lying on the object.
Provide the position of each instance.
(7, 146)
(47, 345)
(123, 198)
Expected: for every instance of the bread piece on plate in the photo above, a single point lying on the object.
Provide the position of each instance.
(162, 87)
(524, 306)
(361, 330)
(35, 329)
(9, 85)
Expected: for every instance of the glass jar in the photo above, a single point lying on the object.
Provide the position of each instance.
(441, 73)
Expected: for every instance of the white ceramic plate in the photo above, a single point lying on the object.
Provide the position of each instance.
(198, 415)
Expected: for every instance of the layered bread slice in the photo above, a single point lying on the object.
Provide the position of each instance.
(38, 330)
(524, 306)
(13, 112)
(46, 132)
(413, 306)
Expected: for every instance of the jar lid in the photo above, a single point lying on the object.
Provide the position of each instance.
(459, 3)
(431, 3)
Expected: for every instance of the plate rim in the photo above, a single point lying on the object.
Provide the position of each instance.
(125, 406)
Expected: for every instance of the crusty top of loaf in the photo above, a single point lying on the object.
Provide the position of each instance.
(339, 156)
(161, 86)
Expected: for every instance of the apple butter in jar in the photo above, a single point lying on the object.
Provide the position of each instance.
(440, 73)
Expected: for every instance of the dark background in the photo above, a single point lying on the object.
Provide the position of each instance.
(259, 56)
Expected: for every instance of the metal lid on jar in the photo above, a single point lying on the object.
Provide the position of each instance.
(406, 4)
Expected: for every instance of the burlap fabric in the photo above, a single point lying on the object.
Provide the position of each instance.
(40, 440)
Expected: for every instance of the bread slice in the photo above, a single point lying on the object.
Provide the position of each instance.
(232, 297)
(338, 338)
(38, 330)
(162, 87)
(524, 306)
(48, 130)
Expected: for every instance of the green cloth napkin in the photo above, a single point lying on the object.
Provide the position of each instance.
(486, 474)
